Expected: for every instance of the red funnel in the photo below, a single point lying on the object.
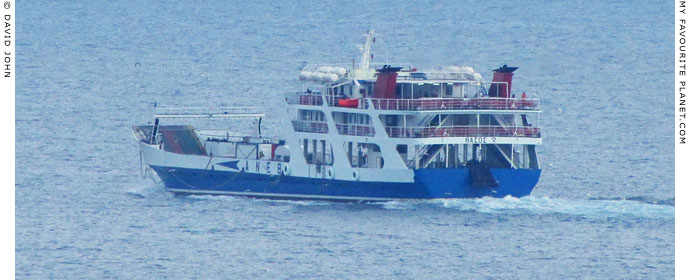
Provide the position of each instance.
(386, 81)
(502, 76)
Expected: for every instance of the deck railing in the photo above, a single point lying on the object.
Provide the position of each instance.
(304, 98)
(231, 136)
(317, 99)
(422, 104)
(333, 101)
(419, 104)
(463, 131)
(310, 126)
(355, 130)
(203, 112)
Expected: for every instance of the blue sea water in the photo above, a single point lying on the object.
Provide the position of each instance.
(87, 71)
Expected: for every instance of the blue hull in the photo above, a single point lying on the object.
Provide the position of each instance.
(429, 184)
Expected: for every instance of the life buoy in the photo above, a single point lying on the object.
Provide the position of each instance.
(355, 174)
(286, 169)
(330, 173)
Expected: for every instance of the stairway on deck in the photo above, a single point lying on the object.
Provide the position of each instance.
(429, 154)
(501, 152)
(431, 150)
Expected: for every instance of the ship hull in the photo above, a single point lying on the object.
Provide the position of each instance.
(428, 184)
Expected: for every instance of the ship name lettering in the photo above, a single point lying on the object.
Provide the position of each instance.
(476, 140)
(257, 166)
(268, 167)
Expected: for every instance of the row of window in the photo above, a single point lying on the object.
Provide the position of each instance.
(361, 155)
(339, 117)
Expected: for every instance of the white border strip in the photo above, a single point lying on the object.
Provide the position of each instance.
(682, 86)
(7, 90)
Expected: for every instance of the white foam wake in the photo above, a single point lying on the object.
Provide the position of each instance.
(599, 208)
(145, 189)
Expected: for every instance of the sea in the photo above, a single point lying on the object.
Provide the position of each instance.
(87, 71)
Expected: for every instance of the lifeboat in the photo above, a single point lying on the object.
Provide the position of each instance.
(349, 103)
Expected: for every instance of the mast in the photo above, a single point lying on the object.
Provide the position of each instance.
(366, 50)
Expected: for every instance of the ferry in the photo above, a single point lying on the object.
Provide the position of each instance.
(358, 134)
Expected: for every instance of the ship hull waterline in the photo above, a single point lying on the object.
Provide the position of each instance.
(435, 183)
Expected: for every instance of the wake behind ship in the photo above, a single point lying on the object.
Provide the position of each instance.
(363, 134)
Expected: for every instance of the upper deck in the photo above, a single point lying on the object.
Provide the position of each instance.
(441, 104)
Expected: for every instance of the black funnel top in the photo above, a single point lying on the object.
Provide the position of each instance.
(505, 69)
(388, 68)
